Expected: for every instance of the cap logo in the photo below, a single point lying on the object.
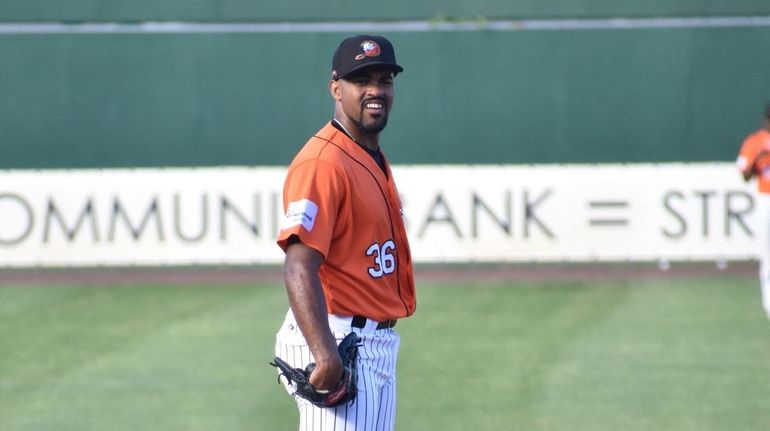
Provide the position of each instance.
(370, 48)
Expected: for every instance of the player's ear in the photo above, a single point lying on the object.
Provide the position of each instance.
(335, 89)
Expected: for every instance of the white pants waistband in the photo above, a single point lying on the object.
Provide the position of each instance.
(338, 323)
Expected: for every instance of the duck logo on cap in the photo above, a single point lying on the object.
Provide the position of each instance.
(371, 49)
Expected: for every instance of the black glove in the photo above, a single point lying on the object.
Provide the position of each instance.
(345, 392)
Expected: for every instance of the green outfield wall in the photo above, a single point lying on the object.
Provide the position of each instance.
(71, 97)
(248, 10)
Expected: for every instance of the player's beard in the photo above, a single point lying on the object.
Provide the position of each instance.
(372, 125)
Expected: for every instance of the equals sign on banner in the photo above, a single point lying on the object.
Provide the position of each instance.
(608, 213)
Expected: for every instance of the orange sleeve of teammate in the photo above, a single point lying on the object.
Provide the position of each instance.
(747, 156)
(311, 197)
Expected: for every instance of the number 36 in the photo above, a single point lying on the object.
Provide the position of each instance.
(384, 261)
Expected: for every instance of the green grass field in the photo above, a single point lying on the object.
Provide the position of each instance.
(633, 355)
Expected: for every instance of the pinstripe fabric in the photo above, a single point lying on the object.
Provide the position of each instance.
(763, 242)
(374, 409)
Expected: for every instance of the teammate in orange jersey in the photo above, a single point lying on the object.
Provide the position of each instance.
(348, 266)
(754, 161)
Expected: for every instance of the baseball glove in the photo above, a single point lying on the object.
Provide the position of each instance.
(345, 392)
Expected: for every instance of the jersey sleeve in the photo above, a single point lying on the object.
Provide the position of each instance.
(311, 199)
(747, 154)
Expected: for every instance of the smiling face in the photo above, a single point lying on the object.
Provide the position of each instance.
(363, 100)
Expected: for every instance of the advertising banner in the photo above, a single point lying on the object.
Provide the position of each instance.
(454, 213)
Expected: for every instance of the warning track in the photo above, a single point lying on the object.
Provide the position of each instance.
(448, 273)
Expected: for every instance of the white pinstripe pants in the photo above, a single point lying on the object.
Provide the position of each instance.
(374, 409)
(763, 242)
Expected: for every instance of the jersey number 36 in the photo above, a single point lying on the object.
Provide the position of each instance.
(384, 261)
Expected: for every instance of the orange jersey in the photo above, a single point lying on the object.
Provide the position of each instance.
(339, 201)
(755, 152)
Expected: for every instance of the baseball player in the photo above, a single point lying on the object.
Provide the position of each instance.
(347, 267)
(754, 161)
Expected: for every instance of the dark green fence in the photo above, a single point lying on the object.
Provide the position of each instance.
(475, 96)
(310, 10)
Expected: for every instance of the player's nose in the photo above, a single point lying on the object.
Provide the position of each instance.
(373, 90)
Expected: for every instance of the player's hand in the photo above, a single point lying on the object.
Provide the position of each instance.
(327, 374)
(330, 384)
(761, 163)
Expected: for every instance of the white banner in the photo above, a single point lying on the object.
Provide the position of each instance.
(579, 212)
(635, 212)
(140, 217)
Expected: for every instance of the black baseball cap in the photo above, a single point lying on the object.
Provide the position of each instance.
(358, 52)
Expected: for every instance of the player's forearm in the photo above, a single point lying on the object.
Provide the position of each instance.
(307, 302)
(309, 308)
